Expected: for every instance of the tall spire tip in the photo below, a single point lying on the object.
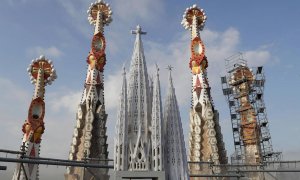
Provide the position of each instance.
(138, 30)
(170, 68)
(124, 69)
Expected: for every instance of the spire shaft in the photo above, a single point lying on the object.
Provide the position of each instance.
(121, 143)
(205, 136)
(175, 152)
(157, 126)
(41, 72)
(89, 137)
(138, 105)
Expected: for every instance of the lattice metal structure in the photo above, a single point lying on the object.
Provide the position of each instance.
(255, 97)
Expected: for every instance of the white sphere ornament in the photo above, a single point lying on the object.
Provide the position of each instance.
(42, 57)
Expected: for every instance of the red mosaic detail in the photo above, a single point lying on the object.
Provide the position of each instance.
(45, 65)
(195, 12)
(203, 63)
(97, 63)
(197, 48)
(98, 45)
(198, 87)
(36, 113)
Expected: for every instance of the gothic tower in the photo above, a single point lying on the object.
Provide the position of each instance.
(205, 141)
(133, 141)
(89, 138)
(41, 72)
(175, 153)
(157, 133)
(138, 143)
(121, 143)
(144, 137)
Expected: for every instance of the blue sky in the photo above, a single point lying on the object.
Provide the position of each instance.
(266, 31)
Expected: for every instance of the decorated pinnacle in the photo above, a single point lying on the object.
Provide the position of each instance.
(194, 20)
(99, 14)
(194, 16)
(42, 63)
(41, 72)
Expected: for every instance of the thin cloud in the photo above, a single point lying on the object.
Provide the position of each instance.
(65, 100)
(257, 57)
(78, 16)
(143, 10)
(52, 51)
(112, 90)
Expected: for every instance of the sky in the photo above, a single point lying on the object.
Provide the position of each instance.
(267, 32)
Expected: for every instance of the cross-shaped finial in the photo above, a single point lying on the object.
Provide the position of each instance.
(138, 30)
(169, 67)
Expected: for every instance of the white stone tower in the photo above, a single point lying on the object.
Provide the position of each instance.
(134, 120)
(41, 73)
(205, 141)
(139, 111)
(138, 142)
(121, 143)
(89, 138)
(142, 141)
(175, 153)
(157, 133)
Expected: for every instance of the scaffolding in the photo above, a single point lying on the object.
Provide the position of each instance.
(255, 95)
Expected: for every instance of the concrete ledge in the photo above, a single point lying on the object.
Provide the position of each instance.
(147, 175)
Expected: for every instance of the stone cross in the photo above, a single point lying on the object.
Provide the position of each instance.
(138, 30)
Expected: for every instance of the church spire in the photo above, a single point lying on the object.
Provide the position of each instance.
(89, 137)
(147, 136)
(121, 144)
(41, 72)
(138, 57)
(206, 141)
(157, 126)
(175, 153)
(170, 68)
(139, 104)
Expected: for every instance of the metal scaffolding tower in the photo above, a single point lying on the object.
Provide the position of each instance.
(255, 94)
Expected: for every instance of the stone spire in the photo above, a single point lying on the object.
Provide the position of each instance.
(139, 111)
(41, 73)
(206, 141)
(175, 153)
(144, 156)
(157, 126)
(121, 143)
(89, 137)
